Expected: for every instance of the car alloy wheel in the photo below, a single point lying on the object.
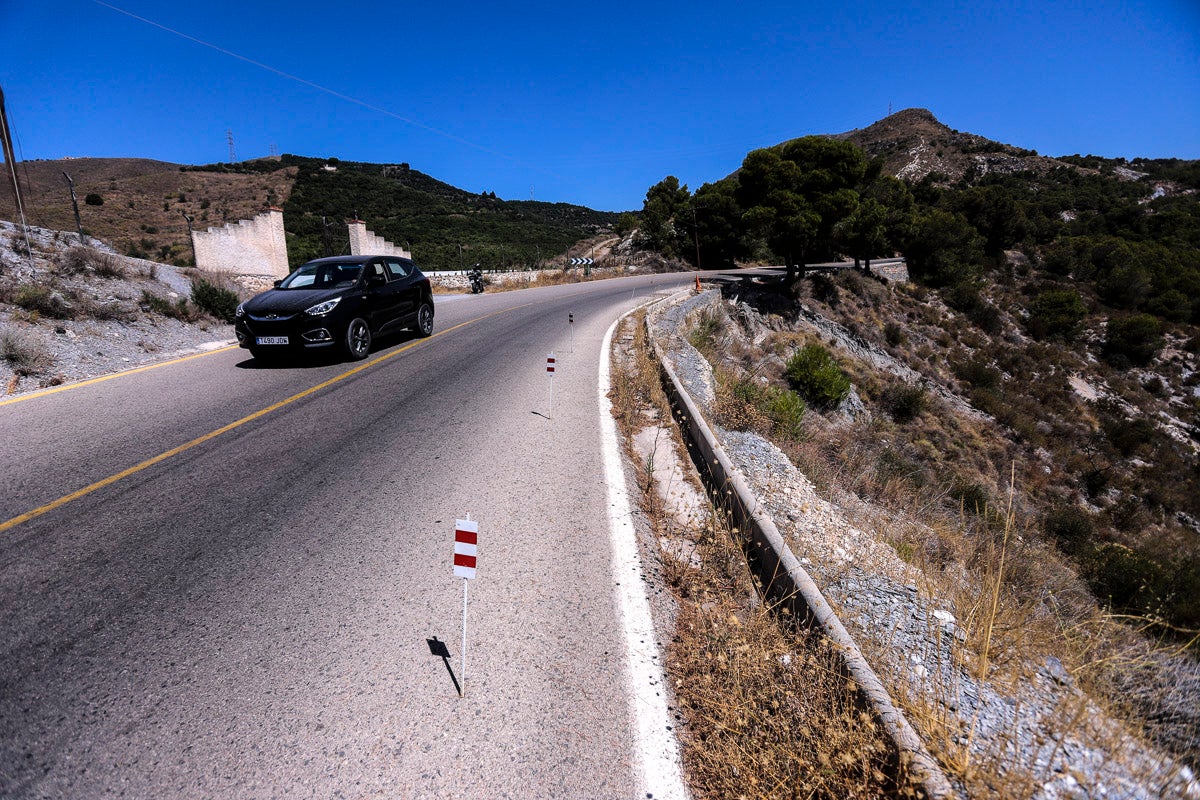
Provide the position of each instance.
(425, 319)
(358, 339)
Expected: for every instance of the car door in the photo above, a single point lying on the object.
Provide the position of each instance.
(380, 295)
(408, 291)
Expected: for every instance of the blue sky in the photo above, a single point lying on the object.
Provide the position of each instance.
(587, 103)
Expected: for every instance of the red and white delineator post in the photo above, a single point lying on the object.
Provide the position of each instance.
(550, 372)
(466, 551)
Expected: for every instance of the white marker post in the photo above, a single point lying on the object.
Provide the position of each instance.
(571, 325)
(466, 550)
(550, 372)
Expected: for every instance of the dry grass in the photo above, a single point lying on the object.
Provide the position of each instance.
(934, 488)
(145, 201)
(765, 711)
(25, 355)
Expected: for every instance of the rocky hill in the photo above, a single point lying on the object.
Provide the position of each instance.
(913, 144)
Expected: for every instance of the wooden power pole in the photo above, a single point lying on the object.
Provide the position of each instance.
(10, 162)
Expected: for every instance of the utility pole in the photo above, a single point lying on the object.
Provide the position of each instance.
(696, 234)
(11, 161)
(75, 207)
(191, 235)
(229, 138)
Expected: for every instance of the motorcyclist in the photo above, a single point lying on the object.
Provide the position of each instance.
(475, 276)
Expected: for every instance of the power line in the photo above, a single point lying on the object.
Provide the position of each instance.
(328, 91)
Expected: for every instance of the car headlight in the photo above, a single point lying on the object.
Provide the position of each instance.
(321, 309)
(241, 311)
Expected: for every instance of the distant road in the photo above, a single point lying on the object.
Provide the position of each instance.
(251, 615)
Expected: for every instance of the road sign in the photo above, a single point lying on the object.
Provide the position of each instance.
(550, 363)
(578, 261)
(466, 545)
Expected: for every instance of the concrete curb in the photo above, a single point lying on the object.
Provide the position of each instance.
(785, 583)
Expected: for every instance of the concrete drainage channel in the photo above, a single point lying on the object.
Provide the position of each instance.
(783, 581)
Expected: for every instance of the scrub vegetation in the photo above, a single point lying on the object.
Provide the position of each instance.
(762, 708)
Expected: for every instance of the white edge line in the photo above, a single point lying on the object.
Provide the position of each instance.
(657, 748)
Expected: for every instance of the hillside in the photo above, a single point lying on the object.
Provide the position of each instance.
(1023, 416)
(442, 225)
(139, 207)
(913, 144)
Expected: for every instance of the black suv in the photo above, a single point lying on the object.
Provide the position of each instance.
(340, 302)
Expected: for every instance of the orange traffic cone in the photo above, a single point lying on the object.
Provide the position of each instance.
(698, 289)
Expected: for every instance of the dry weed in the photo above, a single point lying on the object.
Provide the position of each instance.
(764, 710)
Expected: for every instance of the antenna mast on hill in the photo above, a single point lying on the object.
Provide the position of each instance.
(229, 138)
(11, 161)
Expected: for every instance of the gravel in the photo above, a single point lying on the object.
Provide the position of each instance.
(105, 327)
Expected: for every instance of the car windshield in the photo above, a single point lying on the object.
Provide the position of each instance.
(322, 276)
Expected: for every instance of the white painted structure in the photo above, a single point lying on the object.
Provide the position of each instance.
(255, 247)
(365, 243)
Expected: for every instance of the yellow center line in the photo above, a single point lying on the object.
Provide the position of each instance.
(121, 374)
(111, 479)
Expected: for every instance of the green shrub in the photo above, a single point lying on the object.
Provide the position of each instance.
(34, 297)
(815, 374)
(215, 300)
(1124, 578)
(161, 305)
(987, 318)
(891, 464)
(93, 199)
(708, 327)
(1182, 604)
(1133, 340)
(1056, 313)
(904, 402)
(977, 372)
(785, 409)
(1070, 526)
(971, 497)
(750, 405)
(893, 334)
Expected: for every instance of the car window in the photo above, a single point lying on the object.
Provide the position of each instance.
(399, 269)
(376, 268)
(344, 276)
(322, 276)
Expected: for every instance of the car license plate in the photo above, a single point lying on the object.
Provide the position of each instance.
(272, 340)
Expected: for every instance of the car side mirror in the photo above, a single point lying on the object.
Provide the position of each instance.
(278, 282)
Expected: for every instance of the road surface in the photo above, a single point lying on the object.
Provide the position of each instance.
(224, 580)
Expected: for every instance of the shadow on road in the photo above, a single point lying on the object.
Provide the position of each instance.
(323, 357)
(438, 648)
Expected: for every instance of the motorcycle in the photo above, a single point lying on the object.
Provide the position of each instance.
(475, 276)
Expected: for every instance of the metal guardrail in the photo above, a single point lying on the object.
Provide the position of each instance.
(784, 582)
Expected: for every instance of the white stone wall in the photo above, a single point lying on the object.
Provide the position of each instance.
(250, 247)
(365, 243)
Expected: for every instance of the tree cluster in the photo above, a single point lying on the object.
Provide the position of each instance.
(807, 200)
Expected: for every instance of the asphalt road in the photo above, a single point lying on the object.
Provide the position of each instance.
(253, 614)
